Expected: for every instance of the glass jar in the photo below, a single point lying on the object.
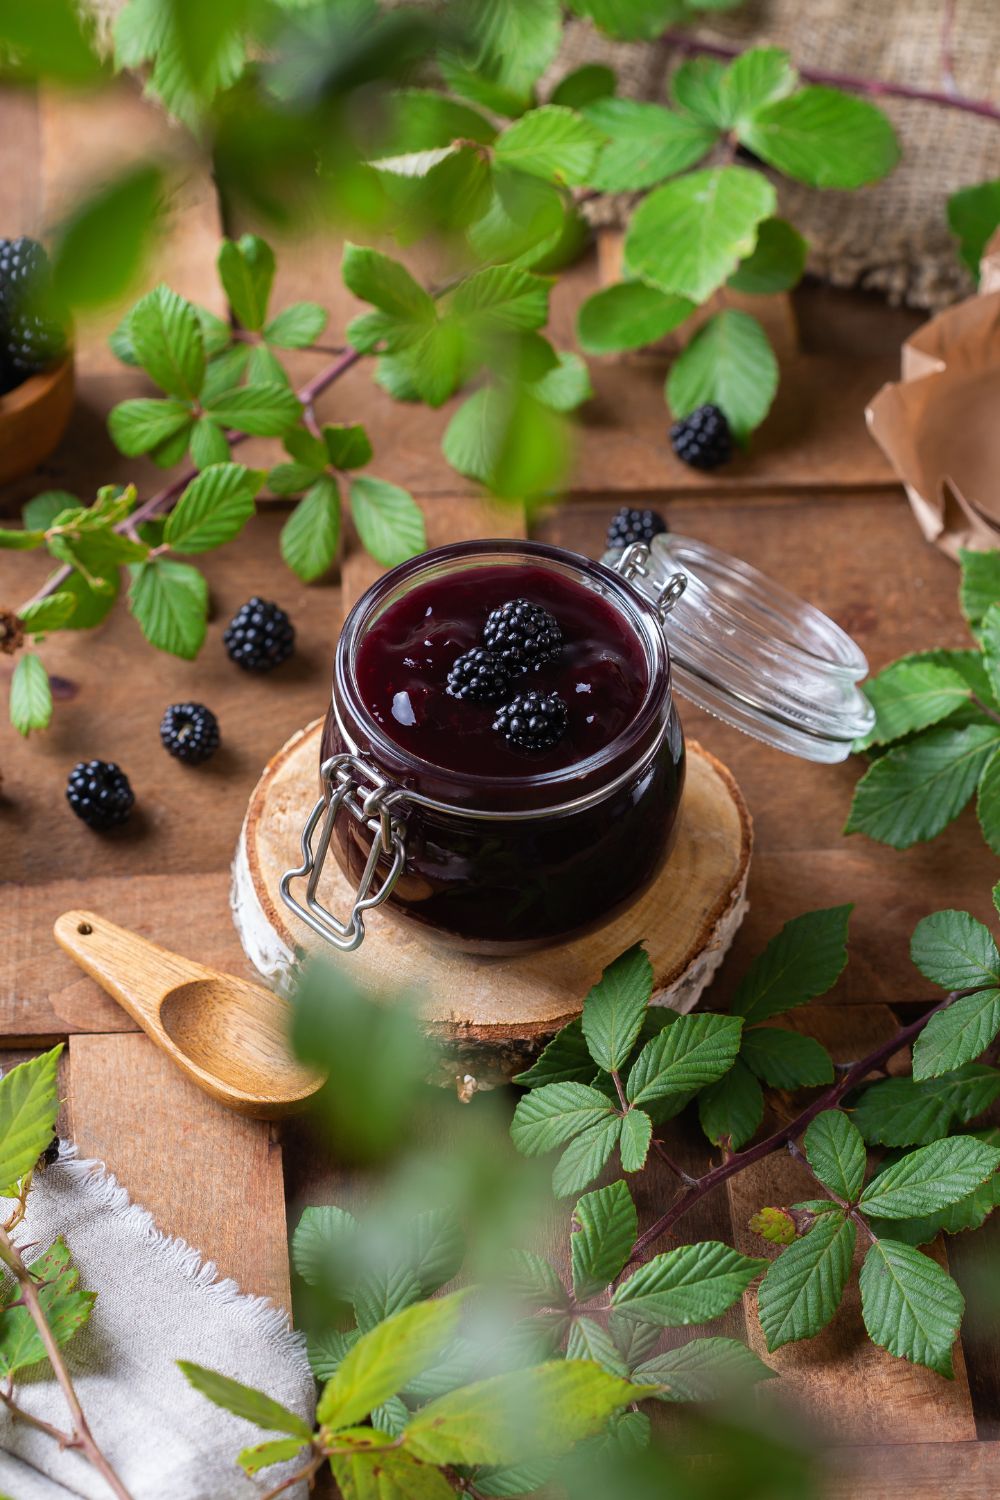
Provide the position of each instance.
(504, 864)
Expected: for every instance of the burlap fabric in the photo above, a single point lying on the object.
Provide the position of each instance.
(892, 236)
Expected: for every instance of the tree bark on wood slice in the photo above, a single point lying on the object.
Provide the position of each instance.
(493, 1015)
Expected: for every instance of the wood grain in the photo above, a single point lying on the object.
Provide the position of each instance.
(203, 1172)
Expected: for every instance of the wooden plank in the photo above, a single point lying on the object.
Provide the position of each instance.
(204, 1173)
(922, 1470)
(854, 1392)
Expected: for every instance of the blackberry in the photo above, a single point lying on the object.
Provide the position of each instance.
(629, 526)
(190, 732)
(98, 791)
(533, 721)
(522, 634)
(32, 342)
(703, 439)
(479, 675)
(260, 636)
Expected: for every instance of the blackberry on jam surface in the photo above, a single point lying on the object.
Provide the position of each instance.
(479, 675)
(522, 634)
(189, 732)
(98, 791)
(703, 440)
(629, 526)
(260, 636)
(533, 721)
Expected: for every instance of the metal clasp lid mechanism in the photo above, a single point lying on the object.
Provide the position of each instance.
(373, 802)
(633, 564)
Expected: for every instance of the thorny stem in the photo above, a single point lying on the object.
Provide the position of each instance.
(81, 1436)
(308, 1474)
(164, 499)
(64, 1439)
(790, 1132)
(693, 45)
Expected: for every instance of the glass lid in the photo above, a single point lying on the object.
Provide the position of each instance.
(751, 653)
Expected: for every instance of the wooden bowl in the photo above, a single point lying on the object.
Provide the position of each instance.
(33, 418)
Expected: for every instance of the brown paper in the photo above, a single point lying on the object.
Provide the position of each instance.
(939, 426)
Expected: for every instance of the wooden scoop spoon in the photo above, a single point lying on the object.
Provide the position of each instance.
(228, 1036)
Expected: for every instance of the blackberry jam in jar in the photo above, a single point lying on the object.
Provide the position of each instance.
(516, 798)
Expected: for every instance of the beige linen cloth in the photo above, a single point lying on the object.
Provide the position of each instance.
(157, 1302)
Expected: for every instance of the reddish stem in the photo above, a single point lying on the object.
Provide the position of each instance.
(726, 50)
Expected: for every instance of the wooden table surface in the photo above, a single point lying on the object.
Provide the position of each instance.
(814, 504)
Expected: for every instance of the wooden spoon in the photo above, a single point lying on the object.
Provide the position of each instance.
(228, 1036)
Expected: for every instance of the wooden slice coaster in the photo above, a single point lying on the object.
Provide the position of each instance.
(494, 1014)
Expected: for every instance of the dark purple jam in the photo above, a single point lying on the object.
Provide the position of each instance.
(406, 654)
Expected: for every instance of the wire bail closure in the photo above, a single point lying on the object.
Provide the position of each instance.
(373, 802)
(633, 564)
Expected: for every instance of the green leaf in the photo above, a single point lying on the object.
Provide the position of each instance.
(957, 1035)
(970, 1212)
(584, 1157)
(698, 88)
(606, 1228)
(645, 144)
(102, 246)
(776, 263)
(532, 1279)
(215, 331)
(29, 1103)
(347, 446)
(566, 1059)
(265, 368)
(729, 363)
(689, 235)
(519, 1416)
(988, 803)
(40, 512)
(30, 695)
(980, 586)
(243, 1401)
(693, 1051)
(66, 1308)
(224, 372)
(566, 386)
(911, 1112)
(263, 1455)
(551, 142)
(261, 410)
(613, 1010)
(246, 269)
(973, 216)
(916, 789)
(47, 614)
(388, 520)
(391, 1417)
(170, 602)
(803, 1287)
(513, 443)
(139, 425)
(213, 509)
(732, 1109)
(836, 1153)
(584, 85)
(636, 1133)
(310, 538)
(628, 316)
(551, 1115)
(702, 1370)
(823, 138)
(630, 20)
(208, 444)
(168, 342)
(423, 118)
(526, 217)
(775, 1225)
(784, 1059)
(502, 297)
(387, 1359)
(297, 326)
(989, 635)
(910, 1306)
(754, 79)
(930, 1178)
(49, 40)
(912, 694)
(324, 1243)
(514, 41)
(91, 606)
(374, 1471)
(689, 1285)
(803, 961)
(588, 1340)
(387, 284)
(20, 541)
(953, 950)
